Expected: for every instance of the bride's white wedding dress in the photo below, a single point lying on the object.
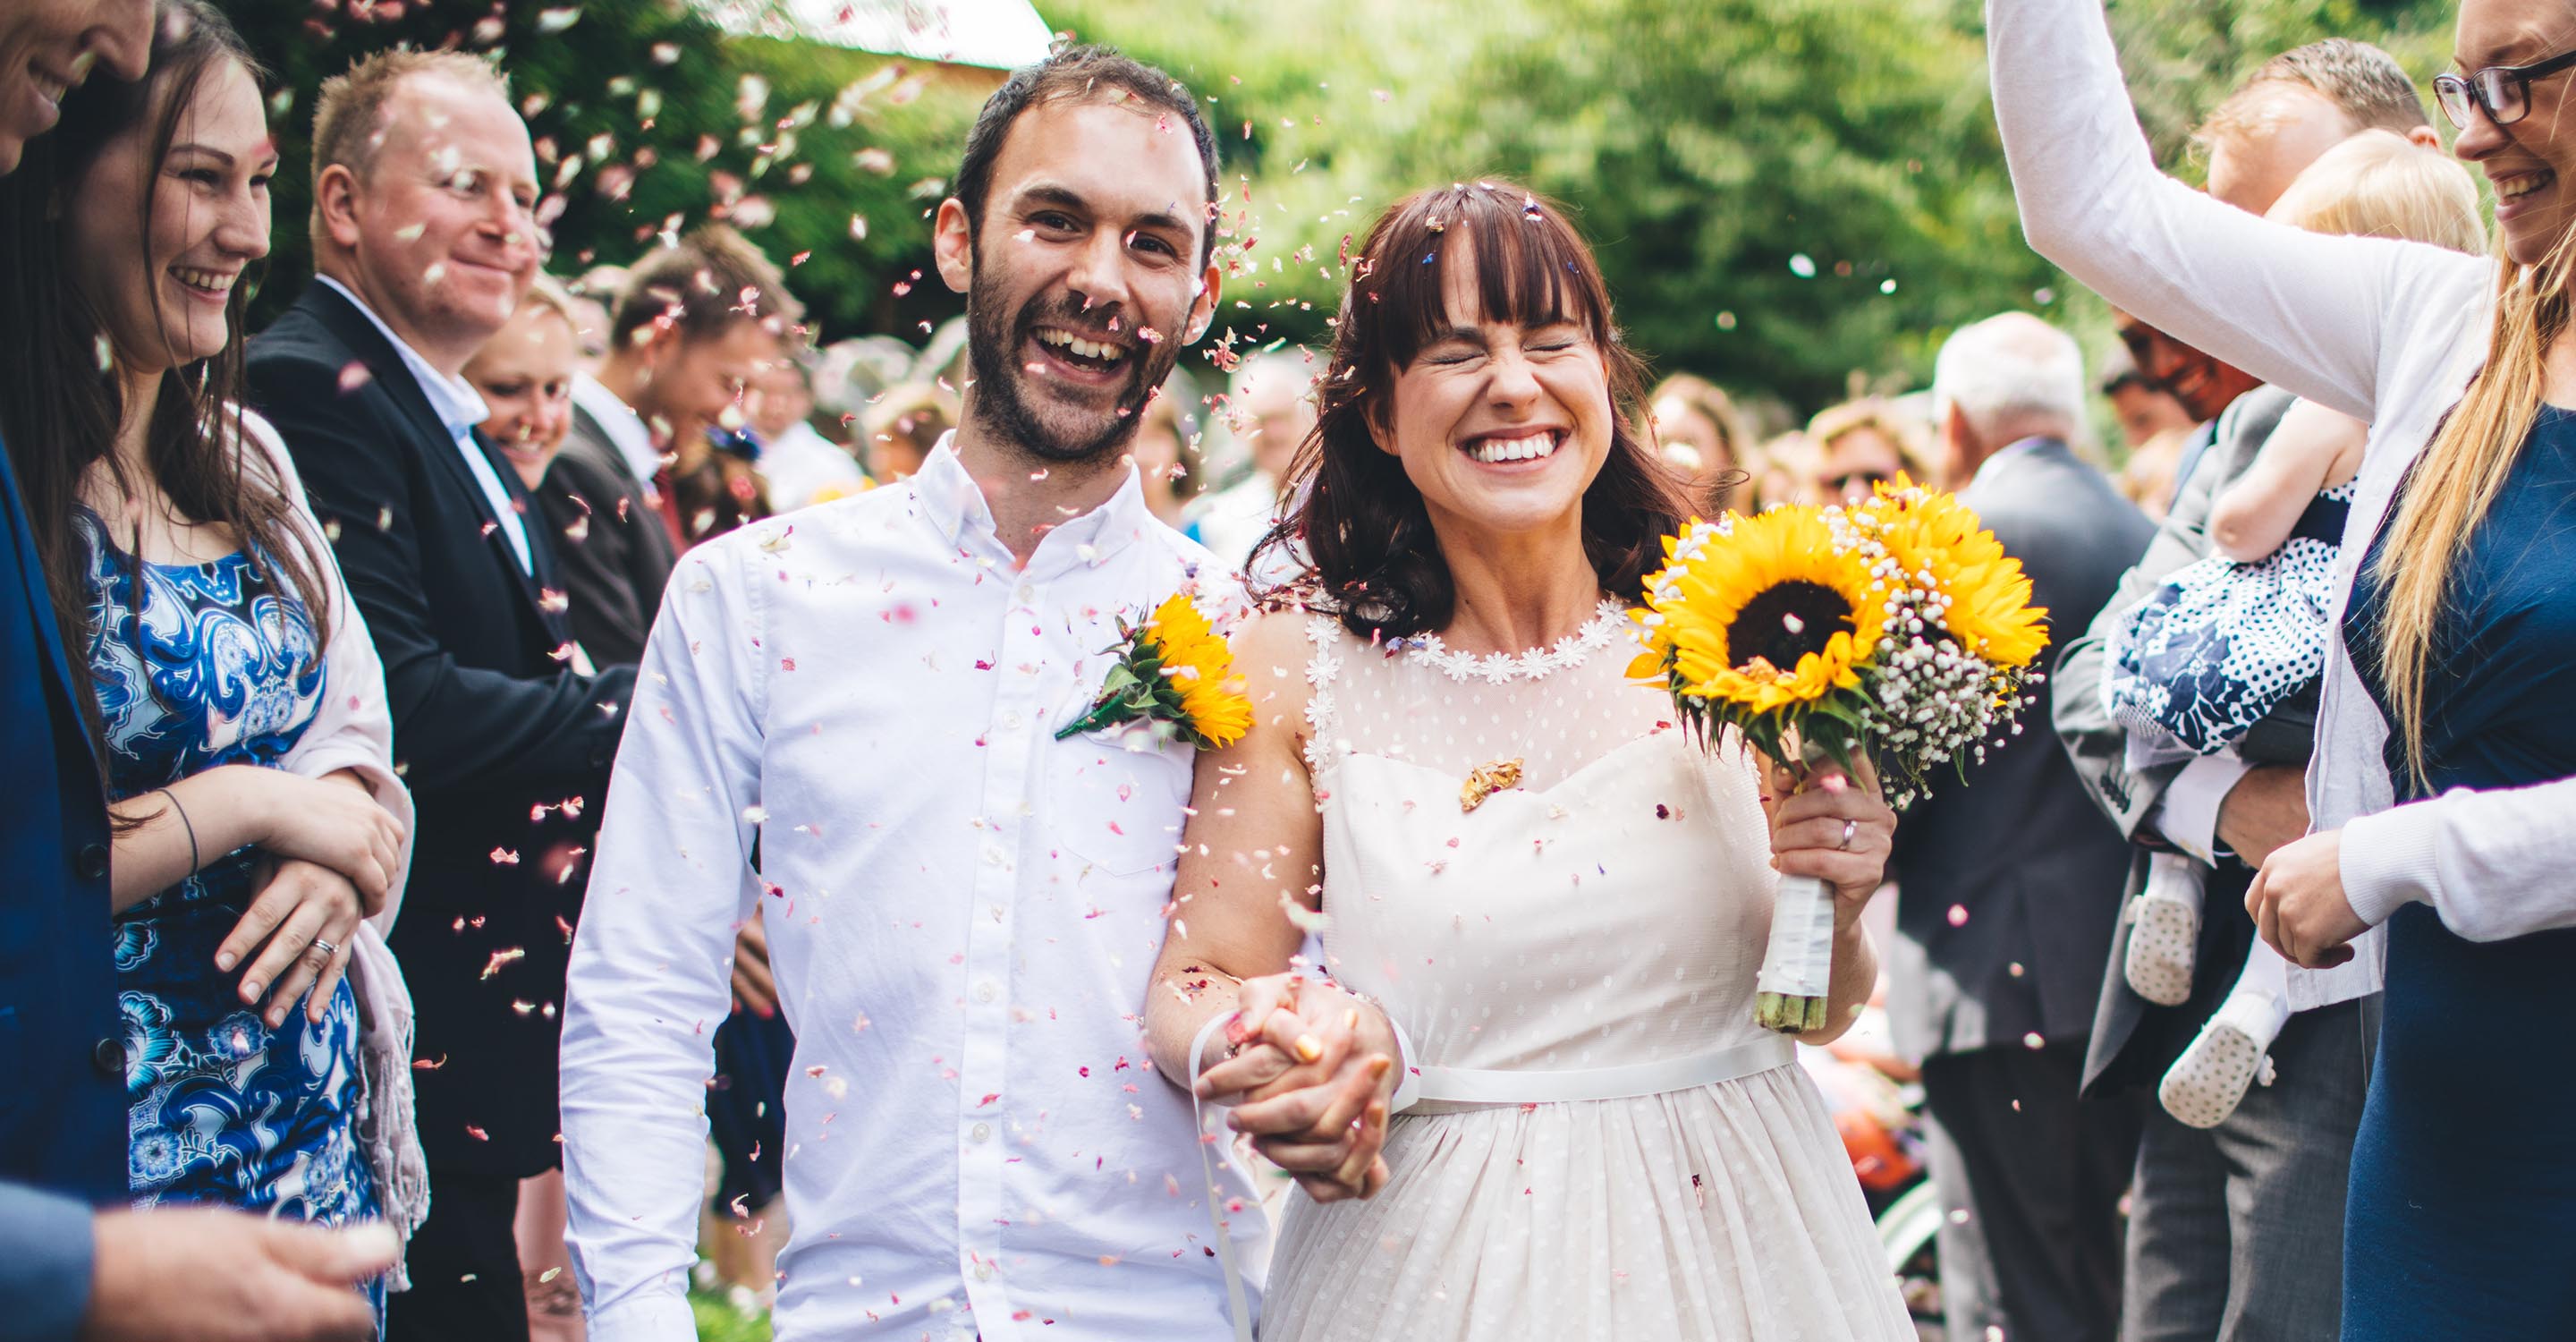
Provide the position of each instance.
(1621, 1152)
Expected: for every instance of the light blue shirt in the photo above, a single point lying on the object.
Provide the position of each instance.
(459, 407)
(46, 1254)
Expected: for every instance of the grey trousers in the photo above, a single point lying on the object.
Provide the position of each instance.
(2039, 1172)
(2236, 1232)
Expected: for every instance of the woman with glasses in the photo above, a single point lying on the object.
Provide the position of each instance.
(1860, 445)
(2442, 796)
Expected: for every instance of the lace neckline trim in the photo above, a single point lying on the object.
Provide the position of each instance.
(1497, 668)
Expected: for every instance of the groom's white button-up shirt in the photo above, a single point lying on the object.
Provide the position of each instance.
(962, 914)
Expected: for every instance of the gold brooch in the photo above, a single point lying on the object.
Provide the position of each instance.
(1487, 780)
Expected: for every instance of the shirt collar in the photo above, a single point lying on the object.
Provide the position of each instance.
(2019, 447)
(625, 429)
(452, 399)
(954, 503)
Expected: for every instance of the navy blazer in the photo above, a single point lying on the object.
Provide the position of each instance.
(492, 730)
(62, 1102)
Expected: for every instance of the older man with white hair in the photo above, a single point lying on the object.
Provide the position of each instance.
(2009, 888)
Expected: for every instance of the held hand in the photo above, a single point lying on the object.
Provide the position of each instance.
(301, 908)
(1262, 1041)
(1835, 828)
(2299, 906)
(1324, 1121)
(203, 1274)
(753, 988)
(2267, 809)
(333, 824)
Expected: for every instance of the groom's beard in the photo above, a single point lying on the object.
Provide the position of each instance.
(1011, 401)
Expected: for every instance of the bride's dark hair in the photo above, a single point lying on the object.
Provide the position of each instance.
(1357, 537)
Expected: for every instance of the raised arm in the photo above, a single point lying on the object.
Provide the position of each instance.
(2305, 311)
(648, 980)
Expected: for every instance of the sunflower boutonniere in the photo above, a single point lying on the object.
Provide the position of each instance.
(1895, 630)
(1172, 668)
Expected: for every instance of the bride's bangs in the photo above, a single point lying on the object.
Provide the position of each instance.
(1531, 268)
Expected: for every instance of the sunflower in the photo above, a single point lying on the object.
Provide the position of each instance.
(1198, 671)
(1771, 614)
(1988, 595)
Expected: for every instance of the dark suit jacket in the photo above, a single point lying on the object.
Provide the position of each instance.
(613, 549)
(2019, 846)
(489, 725)
(62, 1102)
(2098, 748)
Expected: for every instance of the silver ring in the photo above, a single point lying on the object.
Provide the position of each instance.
(1850, 827)
(328, 950)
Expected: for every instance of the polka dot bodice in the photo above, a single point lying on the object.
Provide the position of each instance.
(1607, 907)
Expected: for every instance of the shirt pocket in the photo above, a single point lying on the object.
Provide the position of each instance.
(1114, 797)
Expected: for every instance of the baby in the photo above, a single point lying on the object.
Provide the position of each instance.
(2207, 657)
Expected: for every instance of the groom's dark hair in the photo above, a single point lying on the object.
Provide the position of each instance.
(1082, 74)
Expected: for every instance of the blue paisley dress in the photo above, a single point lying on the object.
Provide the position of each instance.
(221, 666)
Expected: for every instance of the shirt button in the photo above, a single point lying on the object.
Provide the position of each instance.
(108, 1056)
(993, 854)
(1027, 593)
(92, 862)
(983, 1272)
(980, 1133)
(1011, 720)
(986, 992)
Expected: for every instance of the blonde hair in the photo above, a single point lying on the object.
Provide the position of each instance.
(547, 292)
(1879, 416)
(2379, 184)
(2455, 482)
(349, 116)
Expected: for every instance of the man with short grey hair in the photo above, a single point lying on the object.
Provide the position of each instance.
(2000, 940)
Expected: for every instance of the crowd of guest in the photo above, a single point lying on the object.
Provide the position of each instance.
(337, 628)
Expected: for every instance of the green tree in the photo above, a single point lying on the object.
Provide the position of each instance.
(1784, 193)
(649, 120)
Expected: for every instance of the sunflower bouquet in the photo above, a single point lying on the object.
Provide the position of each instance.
(1894, 630)
(1174, 669)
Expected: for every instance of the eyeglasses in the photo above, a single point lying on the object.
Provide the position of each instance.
(2503, 92)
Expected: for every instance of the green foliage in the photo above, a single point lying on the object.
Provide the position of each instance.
(1786, 195)
(648, 118)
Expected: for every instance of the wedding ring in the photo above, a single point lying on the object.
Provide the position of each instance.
(1850, 827)
(328, 950)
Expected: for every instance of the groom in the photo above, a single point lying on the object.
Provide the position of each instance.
(847, 718)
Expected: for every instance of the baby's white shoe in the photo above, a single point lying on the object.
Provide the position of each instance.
(2164, 930)
(2209, 1080)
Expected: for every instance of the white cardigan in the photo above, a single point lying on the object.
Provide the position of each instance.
(353, 729)
(2387, 332)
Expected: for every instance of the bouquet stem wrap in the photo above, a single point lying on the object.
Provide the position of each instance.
(1798, 965)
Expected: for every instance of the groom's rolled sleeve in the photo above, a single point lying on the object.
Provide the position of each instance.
(648, 981)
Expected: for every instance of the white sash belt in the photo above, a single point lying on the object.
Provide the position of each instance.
(1461, 1085)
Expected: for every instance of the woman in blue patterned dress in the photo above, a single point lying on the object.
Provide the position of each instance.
(236, 705)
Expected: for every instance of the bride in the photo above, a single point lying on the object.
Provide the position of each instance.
(1530, 1099)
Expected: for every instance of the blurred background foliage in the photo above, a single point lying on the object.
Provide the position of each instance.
(1794, 197)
